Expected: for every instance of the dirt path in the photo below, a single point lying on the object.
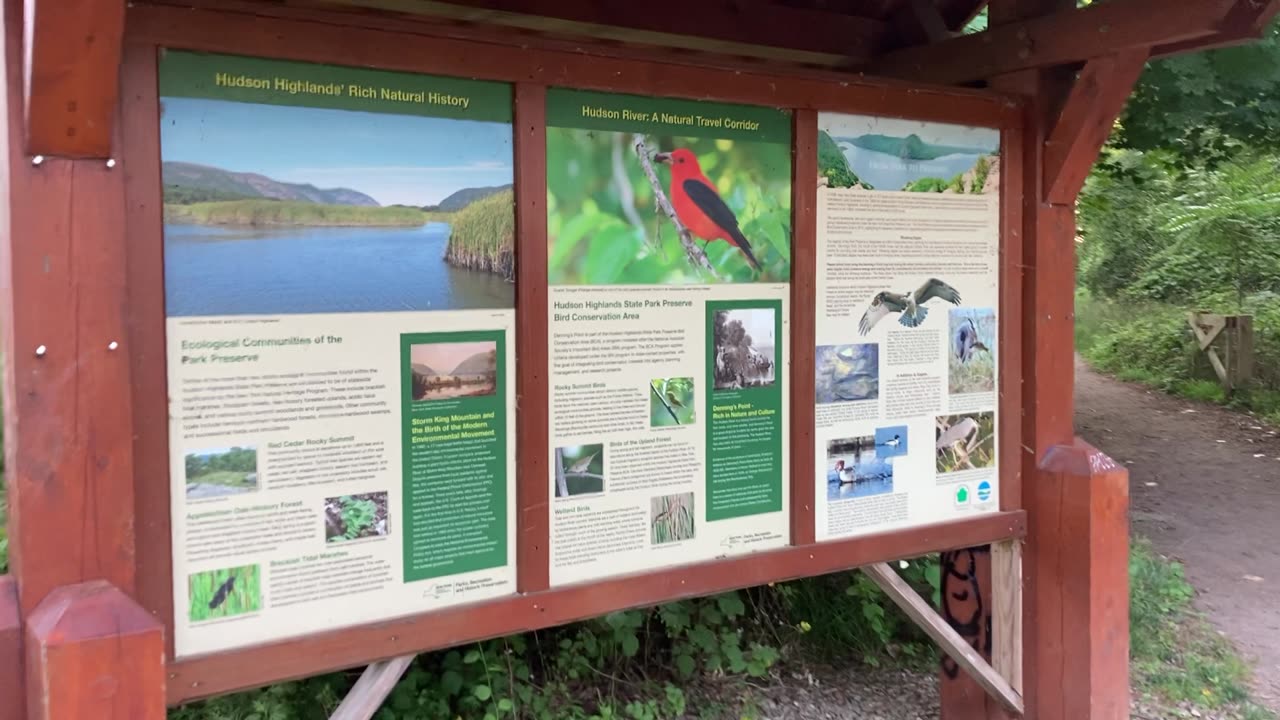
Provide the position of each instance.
(1202, 495)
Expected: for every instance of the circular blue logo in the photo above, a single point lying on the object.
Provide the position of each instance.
(984, 491)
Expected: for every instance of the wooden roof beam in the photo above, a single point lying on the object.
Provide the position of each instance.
(1096, 100)
(743, 27)
(71, 70)
(1246, 23)
(1057, 39)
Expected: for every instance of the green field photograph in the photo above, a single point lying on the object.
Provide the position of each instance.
(356, 517)
(671, 518)
(579, 470)
(671, 402)
(965, 442)
(971, 360)
(870, 153)
(218, 472)
(224, 593)
(606, 221)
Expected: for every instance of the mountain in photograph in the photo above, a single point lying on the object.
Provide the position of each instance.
(478, 364)
(833, 166)
(425, 370)
(909, 148)
(190, 182)
(464, 197)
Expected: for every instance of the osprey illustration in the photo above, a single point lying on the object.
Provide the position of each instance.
(910, 304)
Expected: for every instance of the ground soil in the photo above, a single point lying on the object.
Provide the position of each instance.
(1205, 489)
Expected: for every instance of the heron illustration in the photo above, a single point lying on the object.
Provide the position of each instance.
(967, 341)
(909, 304)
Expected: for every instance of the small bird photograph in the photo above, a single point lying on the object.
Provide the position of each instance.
(744, 343)
(579, 470)
(671, 518)
(846, 373)
(965, 442)
(857, 468)
(356, 517)
(909, 306)
(971, 354)
(891, 441)
(671, 402)
(224, 593)
(632, 208)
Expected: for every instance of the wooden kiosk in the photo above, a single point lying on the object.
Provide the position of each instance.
(124, 597)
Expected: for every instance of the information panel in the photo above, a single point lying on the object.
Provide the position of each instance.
(338, 249)
(669, 225)
(908, 288)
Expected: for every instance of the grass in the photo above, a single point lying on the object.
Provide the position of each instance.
(292, 213)
(483, 235)
(1177, 657)
(230, 478)
(671, 518)
(211, 596)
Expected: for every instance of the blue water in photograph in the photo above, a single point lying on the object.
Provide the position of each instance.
(212, 270)
(891, 441)
(846, 373)
(865, 474)
(890, 172)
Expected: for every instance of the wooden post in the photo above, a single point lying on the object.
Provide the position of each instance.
(92, 652)
(11, 694)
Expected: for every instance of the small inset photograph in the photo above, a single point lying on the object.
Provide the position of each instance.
(579, 470)
(891, 441)
(856, 469)
(671, 518)
(224, 593)
(910, 307)
(966, 442)
(446, 370)
(217, 472)
(744, 348)
(671, 402)
(972, 359)
(355, 517)
(846, 373)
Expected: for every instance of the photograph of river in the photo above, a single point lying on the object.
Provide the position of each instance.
(871, 153)
(274, 209)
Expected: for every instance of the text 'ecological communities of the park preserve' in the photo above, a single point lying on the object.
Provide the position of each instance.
(669, 224)
(907, 293)
(339, 267)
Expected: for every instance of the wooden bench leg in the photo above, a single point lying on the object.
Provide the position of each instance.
(92, 652)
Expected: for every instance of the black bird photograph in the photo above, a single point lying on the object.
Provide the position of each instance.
(910, 305)
(222, 593)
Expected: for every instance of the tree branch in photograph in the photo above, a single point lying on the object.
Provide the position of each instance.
(562, 485)
(664, 402)
(585, 474)
(696, 254)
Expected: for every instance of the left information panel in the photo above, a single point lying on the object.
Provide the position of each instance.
(339, 266)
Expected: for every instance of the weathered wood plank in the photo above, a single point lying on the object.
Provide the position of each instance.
(371, 690)
(12, 697)
(1006, 615)
(804, 268)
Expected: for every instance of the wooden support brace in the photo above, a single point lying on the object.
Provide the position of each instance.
(71, 75)
(1245, 23)
(92, 652)
(1006, 614)
(947, 638)
(11, 695)
(1096, 100)
(372, 689)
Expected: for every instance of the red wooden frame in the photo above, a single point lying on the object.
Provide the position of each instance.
(428, 48)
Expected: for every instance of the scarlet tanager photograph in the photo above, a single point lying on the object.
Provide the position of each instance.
(652, 205)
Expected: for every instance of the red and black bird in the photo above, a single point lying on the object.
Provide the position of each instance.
(699, 206)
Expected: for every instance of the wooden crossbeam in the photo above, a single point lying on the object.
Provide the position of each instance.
(741, 26)
(71, 71)
(1245, 23)
(1060, 38)
(1096, 100)
(947, 638)
(371, 690)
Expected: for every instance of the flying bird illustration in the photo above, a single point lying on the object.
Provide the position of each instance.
(581, 466)
(699, 206)
(967, 342)
(223, 591)
(910, 304)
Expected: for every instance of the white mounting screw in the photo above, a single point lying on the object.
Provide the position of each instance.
(113, 345)
(111, 162)
(41, 350)
(37, 160)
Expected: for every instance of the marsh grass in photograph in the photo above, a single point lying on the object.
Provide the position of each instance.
(579, 470)
(224, 593)
(355, 517)
(671, 518)
(965, 442)
(971, 363)
(671, 402)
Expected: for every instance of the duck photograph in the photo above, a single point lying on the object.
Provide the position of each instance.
(855, 469)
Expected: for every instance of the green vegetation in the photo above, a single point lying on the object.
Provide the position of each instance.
(834, 166)
(909, 148)
(287, 213)
(671, 402)
(224, 593)
(237, 467)
(483, 233)
(189, 195)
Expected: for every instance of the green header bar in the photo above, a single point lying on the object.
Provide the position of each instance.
(686, 118)
(282, 82)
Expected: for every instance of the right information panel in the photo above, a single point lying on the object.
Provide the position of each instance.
(908, 291)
